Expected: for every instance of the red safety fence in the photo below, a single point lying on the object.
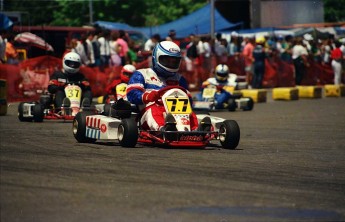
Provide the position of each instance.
(26, 81)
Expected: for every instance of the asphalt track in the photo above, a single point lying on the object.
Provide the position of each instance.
(289, 166)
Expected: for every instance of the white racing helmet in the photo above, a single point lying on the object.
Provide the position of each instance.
(71, 62)
(126, 72)
(222, 72)
(166, 58)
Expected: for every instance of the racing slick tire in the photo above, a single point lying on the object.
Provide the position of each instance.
(232, 106)
(38, 113)
(250, 104)
(128, 132)
(21, 113)
(229, 134)
(79, 128)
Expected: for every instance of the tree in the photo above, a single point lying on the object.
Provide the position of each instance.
(334, 10)
(136, 13)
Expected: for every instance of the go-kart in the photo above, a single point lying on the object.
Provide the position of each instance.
(44, 108)
(208, 101)
(105, 102)
(120, 126)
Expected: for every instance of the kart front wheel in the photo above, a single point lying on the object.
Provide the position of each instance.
(232, 106)
(250, 104)
(38, 113)
(21, 113)
(128, 132)
(79, 128)
(229, 134)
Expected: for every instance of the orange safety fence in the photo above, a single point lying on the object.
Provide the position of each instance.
(26, 81)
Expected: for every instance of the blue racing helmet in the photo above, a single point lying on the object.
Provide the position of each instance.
(166, 58)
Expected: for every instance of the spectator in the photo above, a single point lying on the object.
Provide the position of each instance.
(131, 54)
(172, 37)
(259, 55)
(96, 47)
(248, 58)
(115, 59)
(123, 52)
(284, 48)
(192, 59)
(300, 60)
(337, 57)
(206, 58)
(78, 47)
(151, 42)
(232, 48)
(326, 48)
(104, 49)
(90, 52)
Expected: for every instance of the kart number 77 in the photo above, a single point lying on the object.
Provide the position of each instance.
(178, 105)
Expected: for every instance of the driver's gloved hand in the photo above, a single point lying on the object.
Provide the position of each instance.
(150, 96)
(85, 83)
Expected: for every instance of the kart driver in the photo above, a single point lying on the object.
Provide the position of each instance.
(221, 79)
(144, 85)
(126, 73)
(71, 63)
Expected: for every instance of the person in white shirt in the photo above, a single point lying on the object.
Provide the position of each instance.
(90, 53)
(300, 60)
(151, 42)
(104, 48)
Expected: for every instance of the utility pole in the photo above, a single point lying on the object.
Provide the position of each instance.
(212, 19)
(91, 11)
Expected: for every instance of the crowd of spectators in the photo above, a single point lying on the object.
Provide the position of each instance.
(254, 50)
(105, 48)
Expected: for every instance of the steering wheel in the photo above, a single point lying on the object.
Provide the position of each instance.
(163, 90)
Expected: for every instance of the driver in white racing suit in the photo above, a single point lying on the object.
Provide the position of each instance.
(144, 85)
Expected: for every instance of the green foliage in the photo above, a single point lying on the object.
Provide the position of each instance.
(136, 13)
(77, 12)
(334, 10)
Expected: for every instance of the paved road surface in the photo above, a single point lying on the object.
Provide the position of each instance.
(289, 166)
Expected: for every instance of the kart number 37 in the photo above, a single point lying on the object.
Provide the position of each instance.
(73, 92)
(178, 105)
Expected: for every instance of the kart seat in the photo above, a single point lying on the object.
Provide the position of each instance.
(122, 109)
(205, 124)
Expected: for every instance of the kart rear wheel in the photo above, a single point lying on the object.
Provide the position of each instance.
(128, 132)
(250, 104)
(229, 134)
(79, 128)
(38, 113)
(21, 113)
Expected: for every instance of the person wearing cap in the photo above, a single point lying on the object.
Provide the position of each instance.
(259, 55)
(172, 37)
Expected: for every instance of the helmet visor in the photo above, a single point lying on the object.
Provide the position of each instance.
(170, 62)
(222, 76)
(72, 64)
(128, 74)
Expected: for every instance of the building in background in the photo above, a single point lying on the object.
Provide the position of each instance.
(271, 13)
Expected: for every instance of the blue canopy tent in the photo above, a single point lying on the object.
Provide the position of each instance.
(198, 23)
(5, 22)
